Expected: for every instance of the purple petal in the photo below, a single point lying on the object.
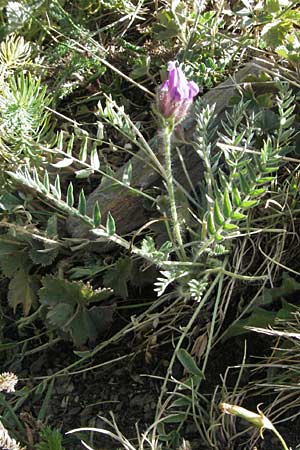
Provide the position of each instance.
(164, 86)
(193, 89)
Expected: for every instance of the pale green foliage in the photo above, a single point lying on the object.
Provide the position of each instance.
(14, 52)
(49, 440)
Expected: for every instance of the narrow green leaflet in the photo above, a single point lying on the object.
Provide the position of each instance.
(96, 215)
(70, 195)
(95, 162)
(82, 203)
(110, 225)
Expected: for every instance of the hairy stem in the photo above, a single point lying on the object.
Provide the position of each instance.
(167, 134)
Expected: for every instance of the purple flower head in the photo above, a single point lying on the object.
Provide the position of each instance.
(176, 94)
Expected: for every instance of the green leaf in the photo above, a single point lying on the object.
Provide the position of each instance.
(96, 215)
(189, 363)
(227, 207)
(265, 180)
(127, 174)
(236, 198)
(82, 203)
(43, 254)
(51, 230)
(237, 216)
(175, 418)
(210, 223)
(46, 182)
(83, 150)
(70, 195)
(95, 162)
(218, 216)
(110, 225)
(244, 183)
(21, 292)
(257, 192)
(230, 227)
(248, 204)
(118, 277)
(56, 188)
(83, 173)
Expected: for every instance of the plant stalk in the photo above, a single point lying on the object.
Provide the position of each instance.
(167, 131)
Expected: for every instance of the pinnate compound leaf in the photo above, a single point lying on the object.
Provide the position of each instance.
(21, 292)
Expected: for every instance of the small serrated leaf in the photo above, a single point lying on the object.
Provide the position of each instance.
(218, 216)
(70, 195)
(227, 207)
(110, 225)
(96, 215)
(82, 203)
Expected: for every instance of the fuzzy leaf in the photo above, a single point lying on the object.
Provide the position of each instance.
(70, 195)
(236, 198)
(57, 191)
(210, 224)
(127, 174)
(95, 162)
(218, 216)
(66, 162)
(248, 204)
(43, 255)
(244, 184)
(96, 215)
(227, 207)
(21, 292)
(237, 216)
(83, 173)
(82, 203)
(83, 150)
(110, 225)
(230, 227)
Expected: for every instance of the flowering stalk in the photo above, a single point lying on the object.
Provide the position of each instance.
(174, 99)
(258, 420)
(167, 134)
